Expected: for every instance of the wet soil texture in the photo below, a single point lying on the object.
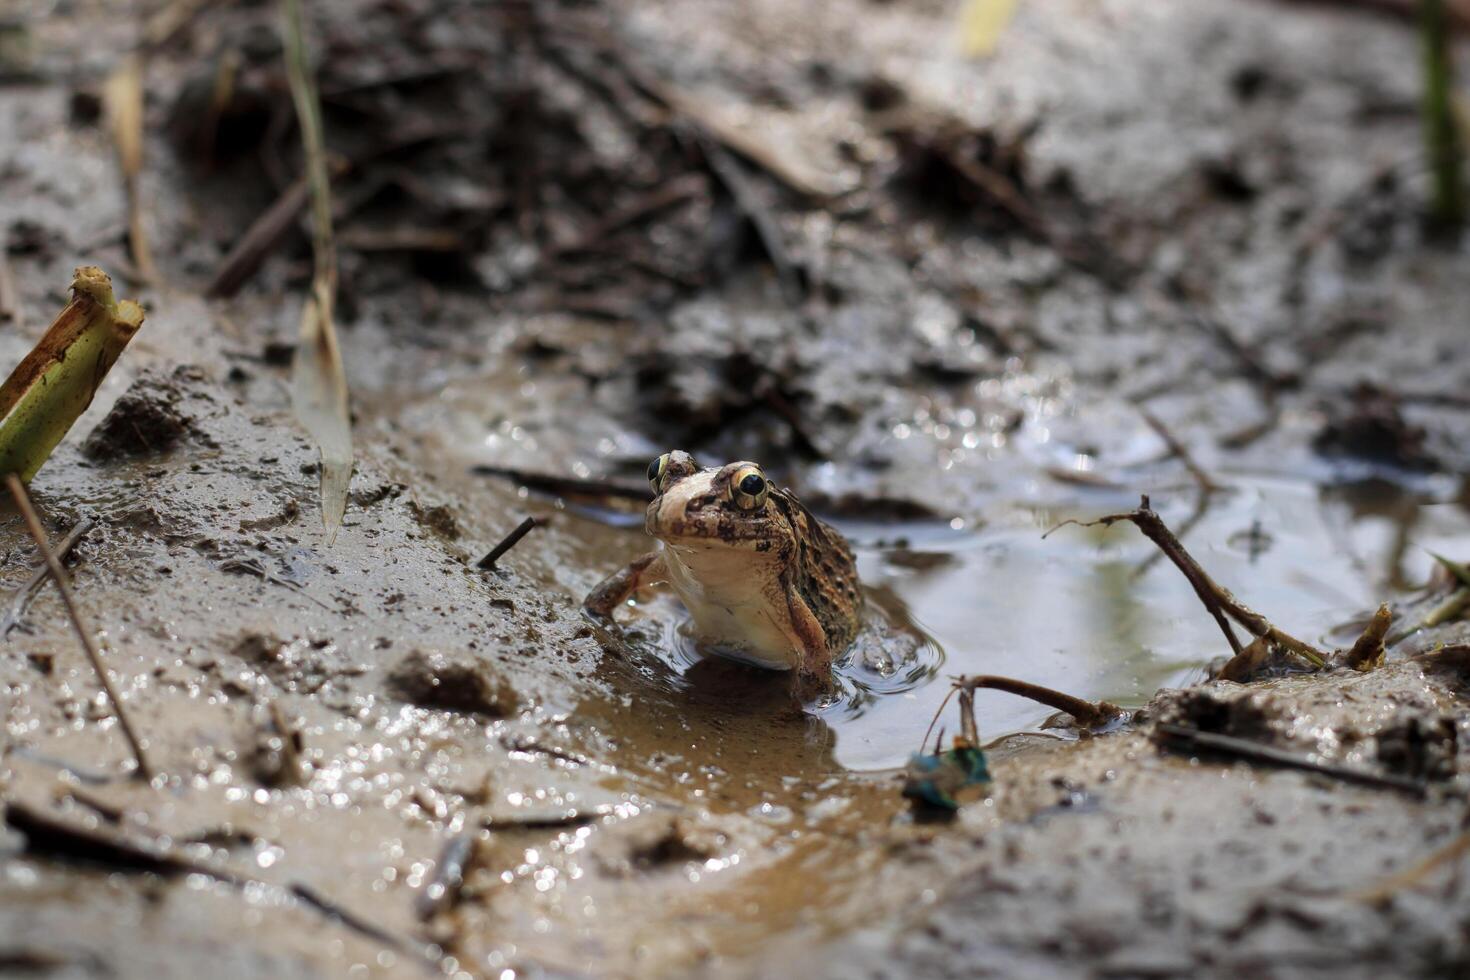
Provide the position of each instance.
(951, 300)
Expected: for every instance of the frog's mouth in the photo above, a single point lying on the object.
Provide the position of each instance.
(721, 532)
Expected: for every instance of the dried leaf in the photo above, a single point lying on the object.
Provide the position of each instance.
(53, 385)
(1368, 653)
(982, 22)
(319, 398)
(319, 384)
(123, 96)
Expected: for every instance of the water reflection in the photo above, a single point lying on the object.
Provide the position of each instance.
(1088, 610)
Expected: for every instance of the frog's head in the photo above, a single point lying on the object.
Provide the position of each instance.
(727, 507)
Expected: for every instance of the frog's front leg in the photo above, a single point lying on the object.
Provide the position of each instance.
(614, 590)
(816, 659)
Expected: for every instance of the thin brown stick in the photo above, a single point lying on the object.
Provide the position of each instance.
(1180, 736)
(1207, 485)
(673, 192)
(1204, 587)
(506, 543)
(259, 240)
(1201, 508)
(135, 849)
(27, 592)
(1089, 714)
(265, 235)
(934, 721)
(63, 585)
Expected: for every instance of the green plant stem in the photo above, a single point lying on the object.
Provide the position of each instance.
(1441, 130)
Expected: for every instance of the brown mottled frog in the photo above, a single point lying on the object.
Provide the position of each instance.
(764, 581)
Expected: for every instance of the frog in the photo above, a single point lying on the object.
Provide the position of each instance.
(764, 580)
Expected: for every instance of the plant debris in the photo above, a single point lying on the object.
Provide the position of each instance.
(1179, 737)
(319, 382)
(53, 385)
(941, 779)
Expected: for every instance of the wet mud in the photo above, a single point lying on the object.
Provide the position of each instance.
(927, 292)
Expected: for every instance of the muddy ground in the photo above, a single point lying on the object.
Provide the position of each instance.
(926, 290)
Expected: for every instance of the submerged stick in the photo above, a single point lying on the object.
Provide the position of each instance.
(506, 543)
(27, 592)
(89, 643)
(1244, 748)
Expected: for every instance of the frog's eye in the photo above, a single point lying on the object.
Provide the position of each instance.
(748, 488)
(656, 470)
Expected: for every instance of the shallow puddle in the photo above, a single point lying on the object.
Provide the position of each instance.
(1097, 612)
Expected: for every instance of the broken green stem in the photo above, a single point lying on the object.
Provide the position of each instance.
(1441, 130)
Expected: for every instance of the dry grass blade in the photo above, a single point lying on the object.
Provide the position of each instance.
(1413, 877)
(982, 22)
(123, 97)
(89, 643)
(319, 384)
(10, 307)
(1443, 140)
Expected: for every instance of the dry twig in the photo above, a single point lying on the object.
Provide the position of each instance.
(1182, 737)
(1206, 484)
(506, 543)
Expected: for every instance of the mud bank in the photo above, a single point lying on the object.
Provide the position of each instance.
(378, 759)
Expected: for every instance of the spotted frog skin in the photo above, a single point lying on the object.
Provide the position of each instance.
(763, 579)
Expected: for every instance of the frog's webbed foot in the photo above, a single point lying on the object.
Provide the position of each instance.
(614, 590)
